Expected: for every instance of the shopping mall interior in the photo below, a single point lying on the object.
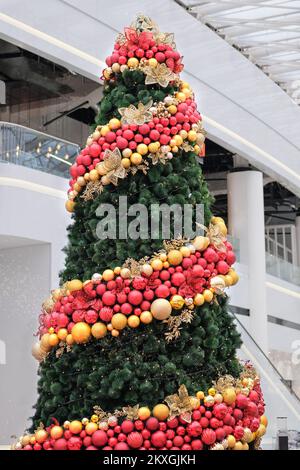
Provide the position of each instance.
(242, 60)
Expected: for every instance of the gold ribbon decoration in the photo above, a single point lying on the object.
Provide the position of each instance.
(138, 116)
(131, 412)
(160, 74)
(181, 404)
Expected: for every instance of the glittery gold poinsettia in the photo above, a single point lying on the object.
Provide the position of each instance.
(113, 164)
(160, 74)
(215, 235)
(144, 23)
(131, 412)
(138, 116)
(165, 38)
(181, 404)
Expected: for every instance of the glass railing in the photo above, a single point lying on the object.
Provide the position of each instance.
(21, 145)
(280, 268)
(282, 404)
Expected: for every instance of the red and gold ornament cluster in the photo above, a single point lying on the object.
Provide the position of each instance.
(229, 420)
(186, 277)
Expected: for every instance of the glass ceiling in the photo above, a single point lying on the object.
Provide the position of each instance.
(267, 32)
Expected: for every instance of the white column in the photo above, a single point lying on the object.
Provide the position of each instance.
(246, 222)
(298, 237)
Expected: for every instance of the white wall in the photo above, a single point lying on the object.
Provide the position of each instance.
(25, 282)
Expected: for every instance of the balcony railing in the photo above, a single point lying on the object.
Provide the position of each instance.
(21, 145)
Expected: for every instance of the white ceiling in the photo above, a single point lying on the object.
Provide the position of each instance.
(266, 31)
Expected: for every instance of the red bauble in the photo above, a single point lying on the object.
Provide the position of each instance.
(220, 434)
(230, 257)
(126, 308)
(106, 314)
(253, 396)
(135, 297)
(194, 429)
(91, 316)
(177, 279)
(208, 437)
(92, 448)
(99, 438)
(74, 443)
(172, 423)
(210, 255)
(95, 150)
(121, 446)
(87, 441)
(37, 446)
(108, 298)
(152, 424)
(162, 291)
(242, 401)
(135, 440)
(158, 439)
(60, 444)
(204, 422)
(127, 426)
(238, 432)
(220, 410)
(222, 267)
(237, 414)
(214, 423)
(197, 444)
(100, 289)
(254, 425)
(252, 409)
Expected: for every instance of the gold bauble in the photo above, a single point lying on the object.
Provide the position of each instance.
(238, 446)
(217, 220)
(125, 273)
(94, 175)
(229, 395)
(185, 251)
(175, 257)
(161, 412)
(115, 332)
(146, 317)
(75, 427)
(133, 62)
(147, 270)
(114, 123)
(44, 344)
(199, 300)
(133, 321)
(70, 205)
(126, 153)
(247, 437)
(144, 413)
(115, 67)
(126, 163)
(36, 351)
(261, 430)
(209, 400)
(161, 309)
(81, 332)
(53, 339)
(217, 282)
(157, 264)
(40, 436)
(218, 398)
(62, 334)
(264, 420)
(91, 428)
(119, 321)
(25, 440)
(98, 330)
(74, 285)
(234, 276)
(56, 432)
(69, 340)
(208, 295)
(95, 418)
(108, 275)
(81, 181)
(201, 243)
(152, 62)
(136, 158)
(177, 302)
(231, 441)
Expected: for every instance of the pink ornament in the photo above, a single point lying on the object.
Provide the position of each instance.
(135, 440)
(127, 426)
(208, 437)
(99, 438)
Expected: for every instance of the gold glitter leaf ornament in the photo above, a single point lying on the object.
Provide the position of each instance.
(138, 116)
(113, 164)
(160, 74)
(181, 404)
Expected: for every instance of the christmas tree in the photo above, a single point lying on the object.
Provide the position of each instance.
(138, 340)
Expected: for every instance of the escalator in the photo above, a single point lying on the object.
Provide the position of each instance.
(282, 404)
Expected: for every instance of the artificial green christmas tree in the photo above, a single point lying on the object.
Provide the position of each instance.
(140, 325)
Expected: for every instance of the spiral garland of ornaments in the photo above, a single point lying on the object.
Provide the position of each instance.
(172, 283)
(230, 415)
